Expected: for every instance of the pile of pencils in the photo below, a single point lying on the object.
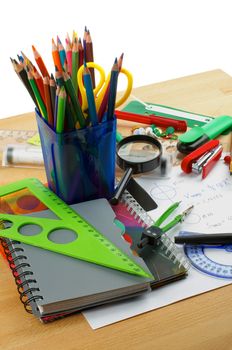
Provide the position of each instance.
(58, 97)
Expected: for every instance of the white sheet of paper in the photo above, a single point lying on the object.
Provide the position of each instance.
(212, 212)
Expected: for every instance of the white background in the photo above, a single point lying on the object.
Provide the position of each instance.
(161, 39)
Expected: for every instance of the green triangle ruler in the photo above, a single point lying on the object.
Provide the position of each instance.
(89, 244)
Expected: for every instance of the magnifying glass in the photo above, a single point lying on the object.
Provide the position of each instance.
(136, 154)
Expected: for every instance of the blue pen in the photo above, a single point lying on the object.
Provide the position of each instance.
(90, 96)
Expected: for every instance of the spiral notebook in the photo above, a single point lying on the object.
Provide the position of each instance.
(52, 285)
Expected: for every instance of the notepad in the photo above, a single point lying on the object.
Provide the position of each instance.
(68, 285)
(57, 284)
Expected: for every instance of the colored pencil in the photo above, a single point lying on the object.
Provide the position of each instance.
(40, 62)
(74, 35)
(78, 116)
(81, 53)
(89, 56)
(21, 72)
(37, 95)
(104, 102)
(56, 57)
(104, 95)
(84, 41)
(69, 56)
(113, 90)
(39, 83)
(75, 63)
(26, 61)
(20, 58)
(68, 40)
(56, 107)
(120, 60)
(48, 103)
(52, 85)
(90, 96)
(61, 110)
(61, 51)
(59, 78)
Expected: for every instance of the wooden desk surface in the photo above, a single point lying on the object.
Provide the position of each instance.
(201, 322)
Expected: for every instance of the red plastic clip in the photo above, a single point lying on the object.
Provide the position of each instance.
(203, 158)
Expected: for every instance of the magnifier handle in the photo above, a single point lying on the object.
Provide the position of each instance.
(121, 186)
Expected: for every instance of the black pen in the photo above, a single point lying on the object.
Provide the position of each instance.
(201, 238)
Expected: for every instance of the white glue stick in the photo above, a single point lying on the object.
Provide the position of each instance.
(22, 156)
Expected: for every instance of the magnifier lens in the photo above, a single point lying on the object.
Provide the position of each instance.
(138, 151)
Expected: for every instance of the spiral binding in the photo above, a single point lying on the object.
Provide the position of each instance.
(21, 279)
(144, 219)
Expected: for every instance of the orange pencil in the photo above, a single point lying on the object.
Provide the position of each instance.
(56, 56)
(40, 62)
(48, 100)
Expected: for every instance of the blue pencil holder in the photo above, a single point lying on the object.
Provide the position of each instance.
(79, 164)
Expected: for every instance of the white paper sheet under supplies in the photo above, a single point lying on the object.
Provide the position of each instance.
(212, 213)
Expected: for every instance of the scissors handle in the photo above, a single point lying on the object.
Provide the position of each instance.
(128, 89)
(94, 65)
(126, 94)
(102, 86)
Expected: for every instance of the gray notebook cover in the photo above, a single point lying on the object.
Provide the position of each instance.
(60, 277)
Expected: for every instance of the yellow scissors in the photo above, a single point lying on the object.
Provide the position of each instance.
(100, 89)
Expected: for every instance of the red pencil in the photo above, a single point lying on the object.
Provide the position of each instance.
(48, 101)
(40, 62)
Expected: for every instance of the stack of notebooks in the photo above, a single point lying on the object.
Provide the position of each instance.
(52, 285)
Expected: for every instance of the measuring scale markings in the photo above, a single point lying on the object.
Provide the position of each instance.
(200, 261)
(90, 245)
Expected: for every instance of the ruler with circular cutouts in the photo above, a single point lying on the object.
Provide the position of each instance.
(88, 243)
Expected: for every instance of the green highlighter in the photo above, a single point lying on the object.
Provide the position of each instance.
(199, 135)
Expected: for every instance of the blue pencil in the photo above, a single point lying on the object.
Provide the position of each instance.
(90, 96)
(61, 50)
(113, 90)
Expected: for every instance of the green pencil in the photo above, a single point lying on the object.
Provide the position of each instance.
(78, 116)
(37, 95)
(61, 110)
(75, 63)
